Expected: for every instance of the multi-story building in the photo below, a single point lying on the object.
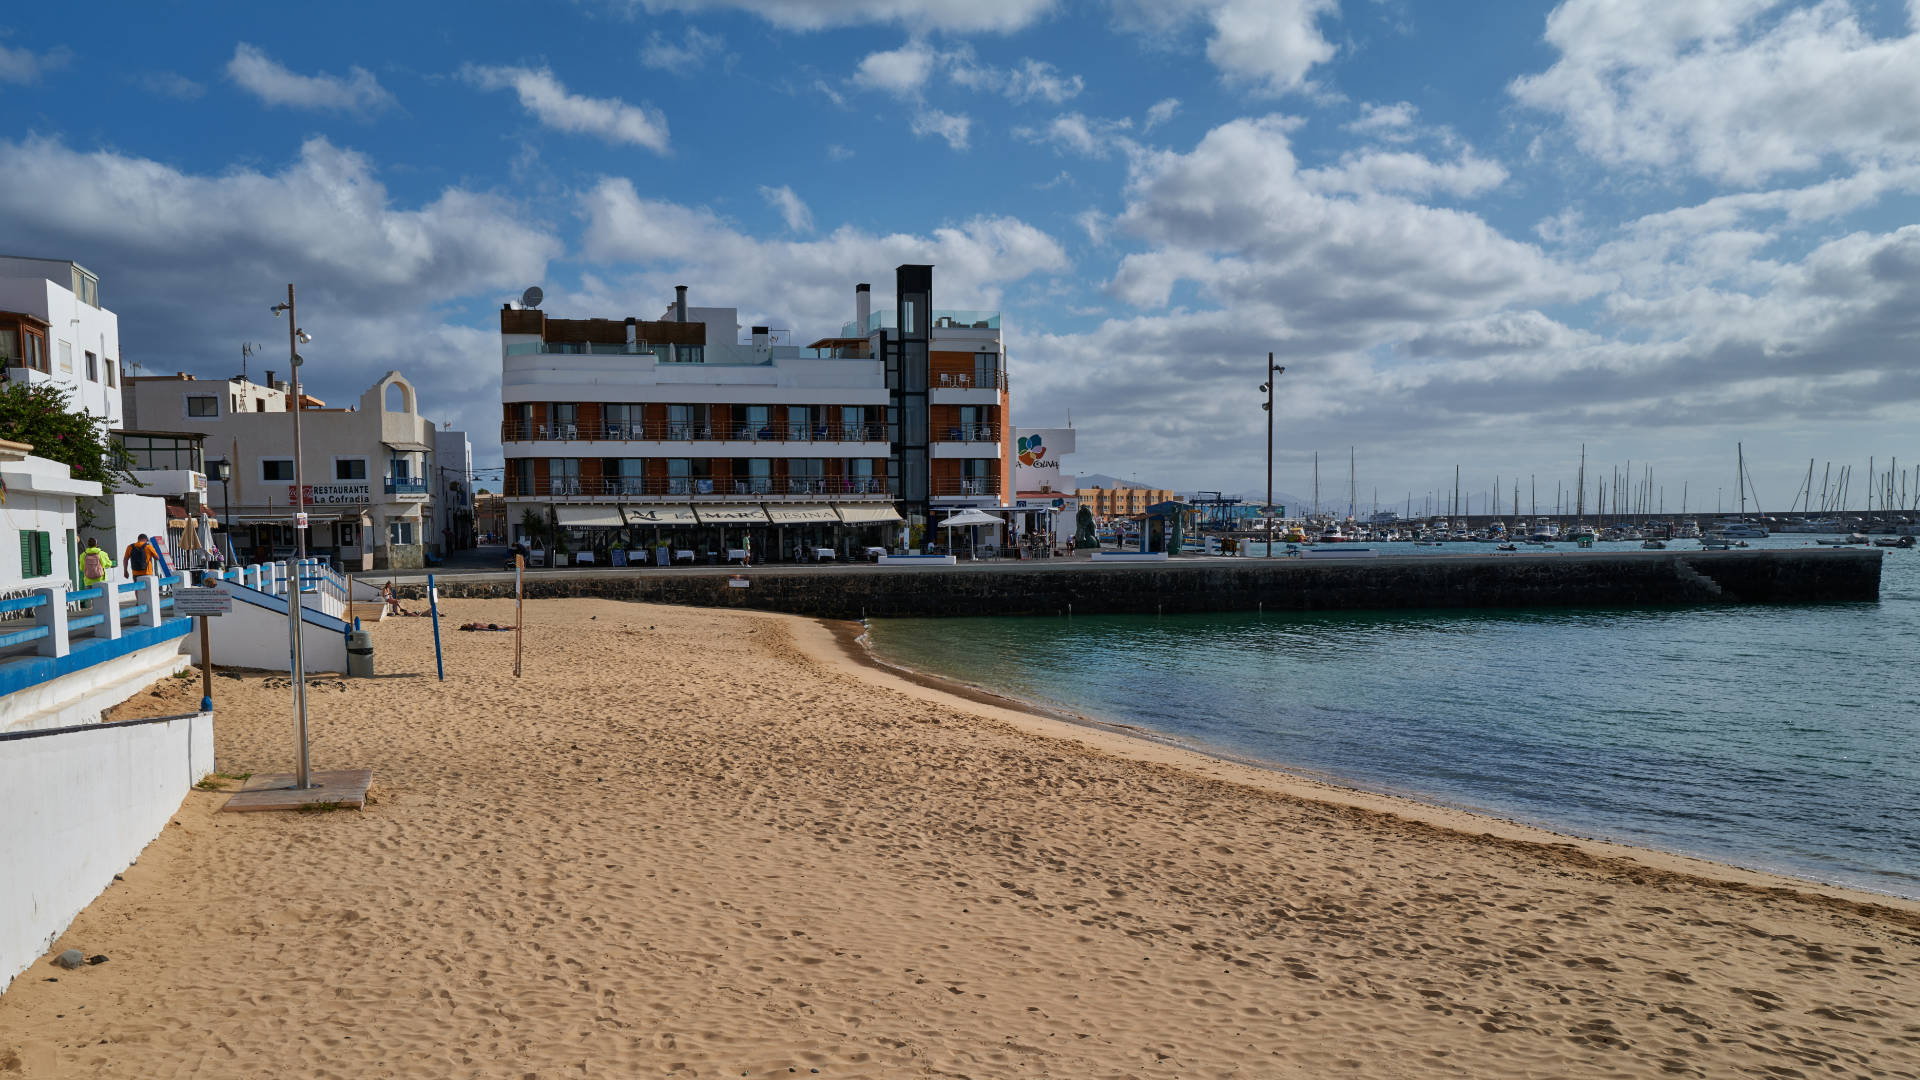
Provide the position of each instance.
(677, 433)
(1123, 501)
(53, 329)
(453, 525)
(366, 469)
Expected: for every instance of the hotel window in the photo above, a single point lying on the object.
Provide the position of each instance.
(691, 354)
(566, 420)
(760, 476)
(799, 422)
(522, 421)
(522, 477)
(679, 476)
(985, 366)
(350, 468)
(86, 287)
(93, 368)
(804, 475)
(276, 469)
(563, 476)
(399, 533)
(860, 475)
(203, 405)
(702, 476)
(614, 416)
(853, 423)
(679, 421)
(36, 351)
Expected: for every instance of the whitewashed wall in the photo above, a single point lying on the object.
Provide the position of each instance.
(80, 804)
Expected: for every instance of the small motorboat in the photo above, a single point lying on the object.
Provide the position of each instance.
(1714, 543)
(1506, 547)
(1893, 541)
(1653, 545)
(1849, 540)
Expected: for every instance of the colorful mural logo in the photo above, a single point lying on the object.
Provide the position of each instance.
(1032, 450)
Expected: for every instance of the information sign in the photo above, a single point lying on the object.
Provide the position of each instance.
(198, 601)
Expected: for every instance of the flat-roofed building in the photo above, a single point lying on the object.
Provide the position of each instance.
(53, 329)
(686, 434)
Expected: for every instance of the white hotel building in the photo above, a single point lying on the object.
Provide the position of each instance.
(630, 433)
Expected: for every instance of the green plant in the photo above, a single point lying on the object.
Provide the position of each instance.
(533, 525)
(41, 415)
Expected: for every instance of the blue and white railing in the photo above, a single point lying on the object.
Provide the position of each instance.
(51, 620)
(318, 581)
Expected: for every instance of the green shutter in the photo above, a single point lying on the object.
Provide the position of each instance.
(26, 553)
(43, 544)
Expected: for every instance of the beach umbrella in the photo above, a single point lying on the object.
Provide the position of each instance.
(967, 519)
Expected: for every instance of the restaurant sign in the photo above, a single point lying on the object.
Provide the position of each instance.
(326, 494)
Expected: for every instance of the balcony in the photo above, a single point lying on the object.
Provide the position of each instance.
(400, 485)
(968, 433)
(685, 488)
(674, 432)
(969, 380)
(987, 487)
(942, 320)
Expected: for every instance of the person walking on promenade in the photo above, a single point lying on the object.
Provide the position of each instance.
(139, 558)
(94, 564)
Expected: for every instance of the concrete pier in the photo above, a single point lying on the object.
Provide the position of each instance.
(1198, 584)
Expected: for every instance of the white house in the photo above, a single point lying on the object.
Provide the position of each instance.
(53, 329)
(453, 527)
(366, 468)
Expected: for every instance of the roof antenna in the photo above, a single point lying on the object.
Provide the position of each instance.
(247, 349)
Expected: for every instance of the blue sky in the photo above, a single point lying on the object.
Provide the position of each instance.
(1480, 234)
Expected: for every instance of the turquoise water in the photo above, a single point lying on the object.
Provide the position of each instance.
(1779, 738)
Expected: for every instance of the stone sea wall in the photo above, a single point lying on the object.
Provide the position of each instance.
(1635, 579)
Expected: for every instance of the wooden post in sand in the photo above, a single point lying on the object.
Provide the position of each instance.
(519, 564)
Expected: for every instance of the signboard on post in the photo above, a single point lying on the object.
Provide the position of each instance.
(192, 601)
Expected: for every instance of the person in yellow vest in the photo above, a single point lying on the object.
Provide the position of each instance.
(94, 564)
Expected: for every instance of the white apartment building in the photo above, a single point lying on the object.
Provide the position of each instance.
(453, 525)
(366, 468)
(53, 329)
(682, 433)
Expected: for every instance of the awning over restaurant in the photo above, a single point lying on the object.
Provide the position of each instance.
(868, 515)
(661, 515)
(579, 517)
(408, 448)
(731, 515)
(802, 515)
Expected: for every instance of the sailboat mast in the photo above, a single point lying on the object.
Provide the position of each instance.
(1740, 466)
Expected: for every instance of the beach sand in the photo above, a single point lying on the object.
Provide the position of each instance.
(711, 844)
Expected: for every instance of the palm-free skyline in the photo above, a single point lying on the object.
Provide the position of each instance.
(1483, 234)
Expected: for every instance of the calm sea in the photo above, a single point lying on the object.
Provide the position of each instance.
(1778, 738)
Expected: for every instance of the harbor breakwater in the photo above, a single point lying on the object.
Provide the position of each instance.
(1584, 579)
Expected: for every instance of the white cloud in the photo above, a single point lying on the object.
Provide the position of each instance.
(1385, 121)
(271, 82)
(952, 15)
(1084, 135)
(1160, 112)
(901, 71)
(686, 56)
(189, 262)
(1731, 89)
(837, 152)
(805, 283)
(549, 101)
(1028, 81)
(1375, 171)
(1269, 45)
(953, 127)
(24, 66)
(792, 210)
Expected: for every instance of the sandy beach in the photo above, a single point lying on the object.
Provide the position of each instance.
(714, 844)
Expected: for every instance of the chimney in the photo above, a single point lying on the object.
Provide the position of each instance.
(633, 332)
(862, 308)
(679, 303)
(269, 378)
(760, 337)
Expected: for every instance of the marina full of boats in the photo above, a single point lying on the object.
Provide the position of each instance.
(1522, 534)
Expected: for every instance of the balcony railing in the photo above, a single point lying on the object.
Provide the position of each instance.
(966, 486)
(690, 487)
(402, 486)
(968, 433)
(970, 380)
(942, 320)
(690, 432)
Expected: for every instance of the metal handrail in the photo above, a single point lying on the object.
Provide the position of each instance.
(670, 431)
(701, 487)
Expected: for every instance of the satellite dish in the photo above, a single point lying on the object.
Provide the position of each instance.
(532, 297)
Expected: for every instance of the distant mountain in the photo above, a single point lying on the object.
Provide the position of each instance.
(1102, 480)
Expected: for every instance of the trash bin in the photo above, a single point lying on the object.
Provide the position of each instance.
(359, 654)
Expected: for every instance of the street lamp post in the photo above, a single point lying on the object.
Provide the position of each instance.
(295, 337)
(1273, 372)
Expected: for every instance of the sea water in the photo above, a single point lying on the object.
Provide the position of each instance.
(1777, 738)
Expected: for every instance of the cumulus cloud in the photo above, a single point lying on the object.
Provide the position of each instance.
(549, 101)
(1374, 171)
(803, 283)
(681, 57)
(1267, 45)
(23, 65)
(901, 71)
(952, 15)
(273, 83)
(1160, 112)
(1734, 90)
(953, 127)
(793, 211)
(1384, 121)
(189, 262)
(171, 84)
(1083, 135)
